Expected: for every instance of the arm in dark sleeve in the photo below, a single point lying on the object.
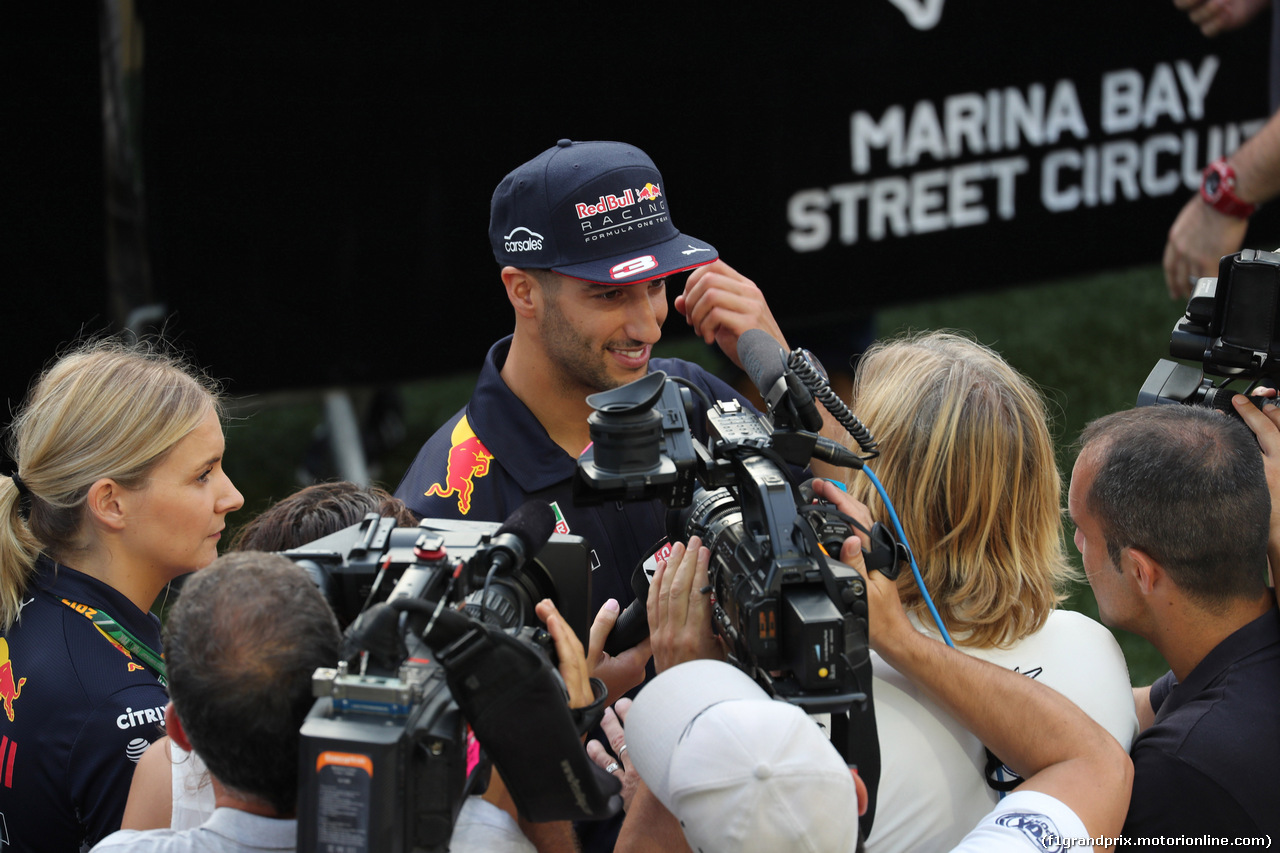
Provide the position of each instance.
(103, 758)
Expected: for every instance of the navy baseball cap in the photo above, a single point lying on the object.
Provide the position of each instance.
(595, 211)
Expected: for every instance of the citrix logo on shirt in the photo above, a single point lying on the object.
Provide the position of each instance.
(142, 717)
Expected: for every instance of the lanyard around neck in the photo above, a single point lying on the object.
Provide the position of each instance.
(122, 639)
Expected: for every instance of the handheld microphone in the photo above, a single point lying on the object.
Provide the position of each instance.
(520, 537)
(633, 622)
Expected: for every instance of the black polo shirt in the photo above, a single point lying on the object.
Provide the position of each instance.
(1208, 764)
(494, 455)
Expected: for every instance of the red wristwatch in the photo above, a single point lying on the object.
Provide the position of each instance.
(1218, 189)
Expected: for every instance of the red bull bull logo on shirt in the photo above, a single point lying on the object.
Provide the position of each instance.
(468, 459)
(9, 689)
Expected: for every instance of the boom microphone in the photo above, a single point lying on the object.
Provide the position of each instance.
(765, 362)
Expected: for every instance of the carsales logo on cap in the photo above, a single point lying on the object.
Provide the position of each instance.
(635, 266)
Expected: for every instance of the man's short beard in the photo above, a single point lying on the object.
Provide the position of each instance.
(579, 366)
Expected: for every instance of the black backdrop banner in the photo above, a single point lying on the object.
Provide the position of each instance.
(318, 175)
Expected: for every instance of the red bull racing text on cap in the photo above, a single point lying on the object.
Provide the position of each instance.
(594, 211)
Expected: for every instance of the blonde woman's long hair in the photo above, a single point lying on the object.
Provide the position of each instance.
(106, 409)
(968, 460)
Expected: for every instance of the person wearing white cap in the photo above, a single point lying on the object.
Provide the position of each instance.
(734, 770)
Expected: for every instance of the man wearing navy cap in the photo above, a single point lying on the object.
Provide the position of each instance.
(584, 237)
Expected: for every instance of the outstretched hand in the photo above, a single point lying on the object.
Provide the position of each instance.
(679, 607)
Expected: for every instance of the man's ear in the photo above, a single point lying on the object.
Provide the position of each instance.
(173, 727)
(105, 503)
(1147, 574)
(521, 289)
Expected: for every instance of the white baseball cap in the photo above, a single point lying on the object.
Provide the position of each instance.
(740, 771)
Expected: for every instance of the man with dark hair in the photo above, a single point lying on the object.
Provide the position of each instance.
(242, 643)
(1172, 515)
(585, 242)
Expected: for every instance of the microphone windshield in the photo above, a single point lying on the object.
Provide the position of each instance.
(762, 358)
(533, 523)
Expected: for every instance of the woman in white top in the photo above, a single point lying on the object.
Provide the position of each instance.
(967, 458)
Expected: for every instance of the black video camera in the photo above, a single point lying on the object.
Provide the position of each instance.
(387, 757)
(794, 617)
(1229, 327)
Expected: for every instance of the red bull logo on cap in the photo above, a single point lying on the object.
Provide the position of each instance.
(468, 459)
(9, 689)
(648, 191)
(606, 203)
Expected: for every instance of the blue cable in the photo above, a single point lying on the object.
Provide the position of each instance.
(915, 570)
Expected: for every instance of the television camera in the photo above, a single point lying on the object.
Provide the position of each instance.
(793, 617)
(445, 640)
(1230, 328)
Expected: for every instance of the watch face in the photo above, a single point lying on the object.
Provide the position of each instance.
(1212, 184)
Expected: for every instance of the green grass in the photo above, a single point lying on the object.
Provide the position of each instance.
(1088, 343)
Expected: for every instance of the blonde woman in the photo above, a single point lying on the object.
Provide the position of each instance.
(968, 461)
(118, 489)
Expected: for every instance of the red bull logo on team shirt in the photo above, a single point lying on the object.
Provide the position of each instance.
(468, 459)
(10, 690)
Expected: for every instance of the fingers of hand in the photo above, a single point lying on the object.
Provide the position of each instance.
(612, 727)
(851, 554)
(597, 753)
(605, 619)
(1263, 422)
(842, 501)
(670, 572)
(682, 583)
